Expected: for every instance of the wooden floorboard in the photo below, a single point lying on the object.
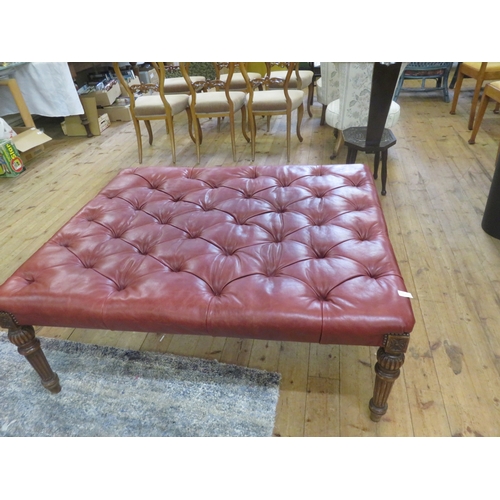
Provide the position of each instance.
(437, 189)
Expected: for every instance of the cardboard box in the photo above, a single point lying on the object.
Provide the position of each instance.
(11, 164)
(72, 125)
(29, 142)
(105, 97)
(148, 76)
(117, 113)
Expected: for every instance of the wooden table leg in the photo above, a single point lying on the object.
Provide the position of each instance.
(390, 360)
(29, 346)
(19, 100)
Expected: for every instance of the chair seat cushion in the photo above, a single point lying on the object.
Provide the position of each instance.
(178, 85)
(306, 77)
(333, 118)
(495, 85)
(275, 100)
(216, 101)
(473, 67)
(152, 105)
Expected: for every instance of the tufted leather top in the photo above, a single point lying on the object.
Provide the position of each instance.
(295, 253)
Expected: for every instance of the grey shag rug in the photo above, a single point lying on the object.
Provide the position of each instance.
(116, 392)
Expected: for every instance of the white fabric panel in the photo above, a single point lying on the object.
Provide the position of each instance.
(47, 88)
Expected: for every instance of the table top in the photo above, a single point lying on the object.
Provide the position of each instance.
(298, 252)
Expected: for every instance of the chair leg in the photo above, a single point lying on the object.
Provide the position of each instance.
(475, 100)
(243, 123)
(252, 125)
(497, 108)
(233, 136)
(150, 131)
(197, 132)
(323, 114)
(479, 118)
(445, 89)
(310, 99)
(351, 156)
(458, 86)
(384, 172)
(375, 164)
(338, 144)
(170, 131)
(139, 139)
(288, 134)
(300, 114)
(190, 124)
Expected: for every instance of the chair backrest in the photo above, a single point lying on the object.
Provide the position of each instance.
(292, 68)
(223, 67)
(355, 80)
(203, 86)
(385, 77)
(329, 90)
(135, 91)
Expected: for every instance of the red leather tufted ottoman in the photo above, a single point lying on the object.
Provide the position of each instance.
(297, 253)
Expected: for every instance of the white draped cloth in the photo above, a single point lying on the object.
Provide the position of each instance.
(47, 88)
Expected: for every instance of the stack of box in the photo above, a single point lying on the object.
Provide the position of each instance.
(104, 100)
(119, 111)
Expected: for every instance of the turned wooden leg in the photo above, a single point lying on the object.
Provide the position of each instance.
(390, 360)
(384, 172)
(29, 346)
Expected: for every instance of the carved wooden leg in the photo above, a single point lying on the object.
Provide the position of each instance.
(29, 346)
(390, 360)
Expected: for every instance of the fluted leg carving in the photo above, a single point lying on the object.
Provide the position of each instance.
(387, 369)
(29, 346)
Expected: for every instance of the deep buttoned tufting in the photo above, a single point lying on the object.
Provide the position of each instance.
(295, 253)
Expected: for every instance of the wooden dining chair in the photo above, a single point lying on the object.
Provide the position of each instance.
(275, 101)
(491, 92)
(148, 102)
(301, 79)
(481, 72)
(238, 81)
(215, 99)
(175, 83)
(375, 138)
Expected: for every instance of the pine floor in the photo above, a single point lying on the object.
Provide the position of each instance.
(437, 190)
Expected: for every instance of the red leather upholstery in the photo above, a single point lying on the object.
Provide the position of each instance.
(296, 253)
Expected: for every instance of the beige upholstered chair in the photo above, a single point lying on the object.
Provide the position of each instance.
(481, 72)
(300, 79)
(149, 102)
(275, 101)
(352, 107)
(327, 87)
(214, 99)
(238, 82)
